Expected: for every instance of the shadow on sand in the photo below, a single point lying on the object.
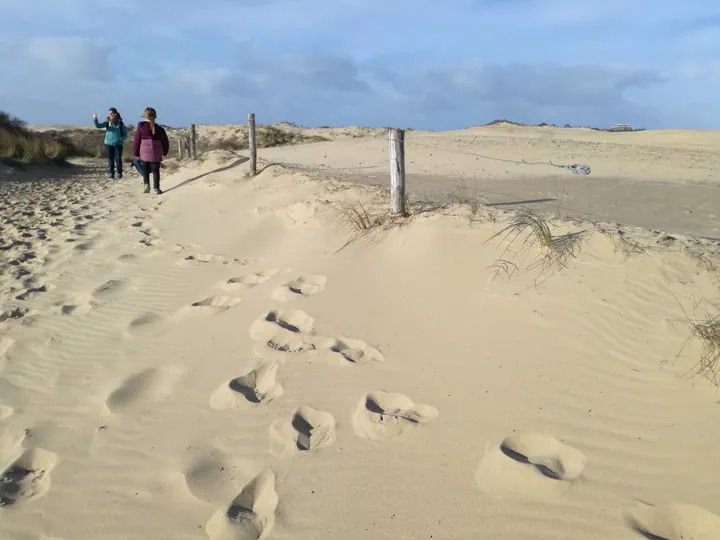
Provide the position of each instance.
(235, 163)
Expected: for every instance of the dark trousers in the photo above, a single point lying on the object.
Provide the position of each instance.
(114, 157)
(154, 167)
(138, 165)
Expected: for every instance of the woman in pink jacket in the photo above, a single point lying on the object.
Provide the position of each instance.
(150, 146)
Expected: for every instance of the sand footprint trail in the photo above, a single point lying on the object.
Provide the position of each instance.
(293, 331)
(675, 521)
(251, 515)
(258, 386)
(381, 416)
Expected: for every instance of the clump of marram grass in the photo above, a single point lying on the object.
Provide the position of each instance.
(623, 245)
(533, 230)
(707, 331)
(362, 222)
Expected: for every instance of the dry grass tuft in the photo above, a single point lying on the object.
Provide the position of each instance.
(362, 222)
(624, 245)
(357, 218)
(556, 251)
(707, 331)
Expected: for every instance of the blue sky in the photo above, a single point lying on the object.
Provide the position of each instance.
(406, 63)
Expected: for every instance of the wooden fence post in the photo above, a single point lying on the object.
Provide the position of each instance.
(180, 148)
(397, 170)
(252, 144)
(193, 142)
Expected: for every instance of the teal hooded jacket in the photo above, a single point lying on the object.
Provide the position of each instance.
(115, 134)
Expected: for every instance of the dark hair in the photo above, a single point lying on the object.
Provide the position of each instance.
(114, 110)
(151, 112)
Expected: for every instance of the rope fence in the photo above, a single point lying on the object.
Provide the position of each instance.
(396, 138)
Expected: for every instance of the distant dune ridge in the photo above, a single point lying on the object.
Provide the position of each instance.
(528, 354)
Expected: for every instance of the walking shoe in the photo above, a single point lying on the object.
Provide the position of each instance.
(111, 176)
(119, 176)
(147, 189)
(157, 191)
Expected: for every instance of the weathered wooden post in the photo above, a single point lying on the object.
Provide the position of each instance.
(180, 148)
(397, 170)
(252, 145)
(193, 143)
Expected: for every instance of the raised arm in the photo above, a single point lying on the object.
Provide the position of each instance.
(100, 125)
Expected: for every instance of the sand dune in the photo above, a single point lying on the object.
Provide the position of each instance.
(220, 362)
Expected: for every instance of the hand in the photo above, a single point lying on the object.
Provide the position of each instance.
(95, 116)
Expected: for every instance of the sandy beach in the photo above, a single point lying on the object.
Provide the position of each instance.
(234, 359)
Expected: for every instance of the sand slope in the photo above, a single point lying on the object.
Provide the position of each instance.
(207, 364)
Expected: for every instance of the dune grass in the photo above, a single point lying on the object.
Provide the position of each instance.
(363, 222)
(18, 144)
(532, 230)
(706, 330)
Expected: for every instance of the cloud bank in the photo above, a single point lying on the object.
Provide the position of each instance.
(418, 64)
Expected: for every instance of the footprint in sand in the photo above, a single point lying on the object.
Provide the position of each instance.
(251, 279)
(251, 515)
(300, 287)
(211, 476)
(148, 386)
(381, 416)
(356, 351)
(127, 257)
(145, 324)
(77, 305)
(548, 455)
(675, 521)
(15, 313)
(306, 430)
(211, 305)
(27, 478)
(258, 386)
(31, 293)
(284, 330)
(111, 289)
(529, 465)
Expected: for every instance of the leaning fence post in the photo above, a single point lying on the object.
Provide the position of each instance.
(193, 142)
(397, 170)
(180, 148)
(252, 144)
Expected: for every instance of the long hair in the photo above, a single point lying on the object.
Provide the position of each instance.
(151, 115)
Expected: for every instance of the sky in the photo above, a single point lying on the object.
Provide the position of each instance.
(423, 64)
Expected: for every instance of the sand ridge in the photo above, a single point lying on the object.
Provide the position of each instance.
(205, 367)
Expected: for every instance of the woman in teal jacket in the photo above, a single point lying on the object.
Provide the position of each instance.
(115, 135)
